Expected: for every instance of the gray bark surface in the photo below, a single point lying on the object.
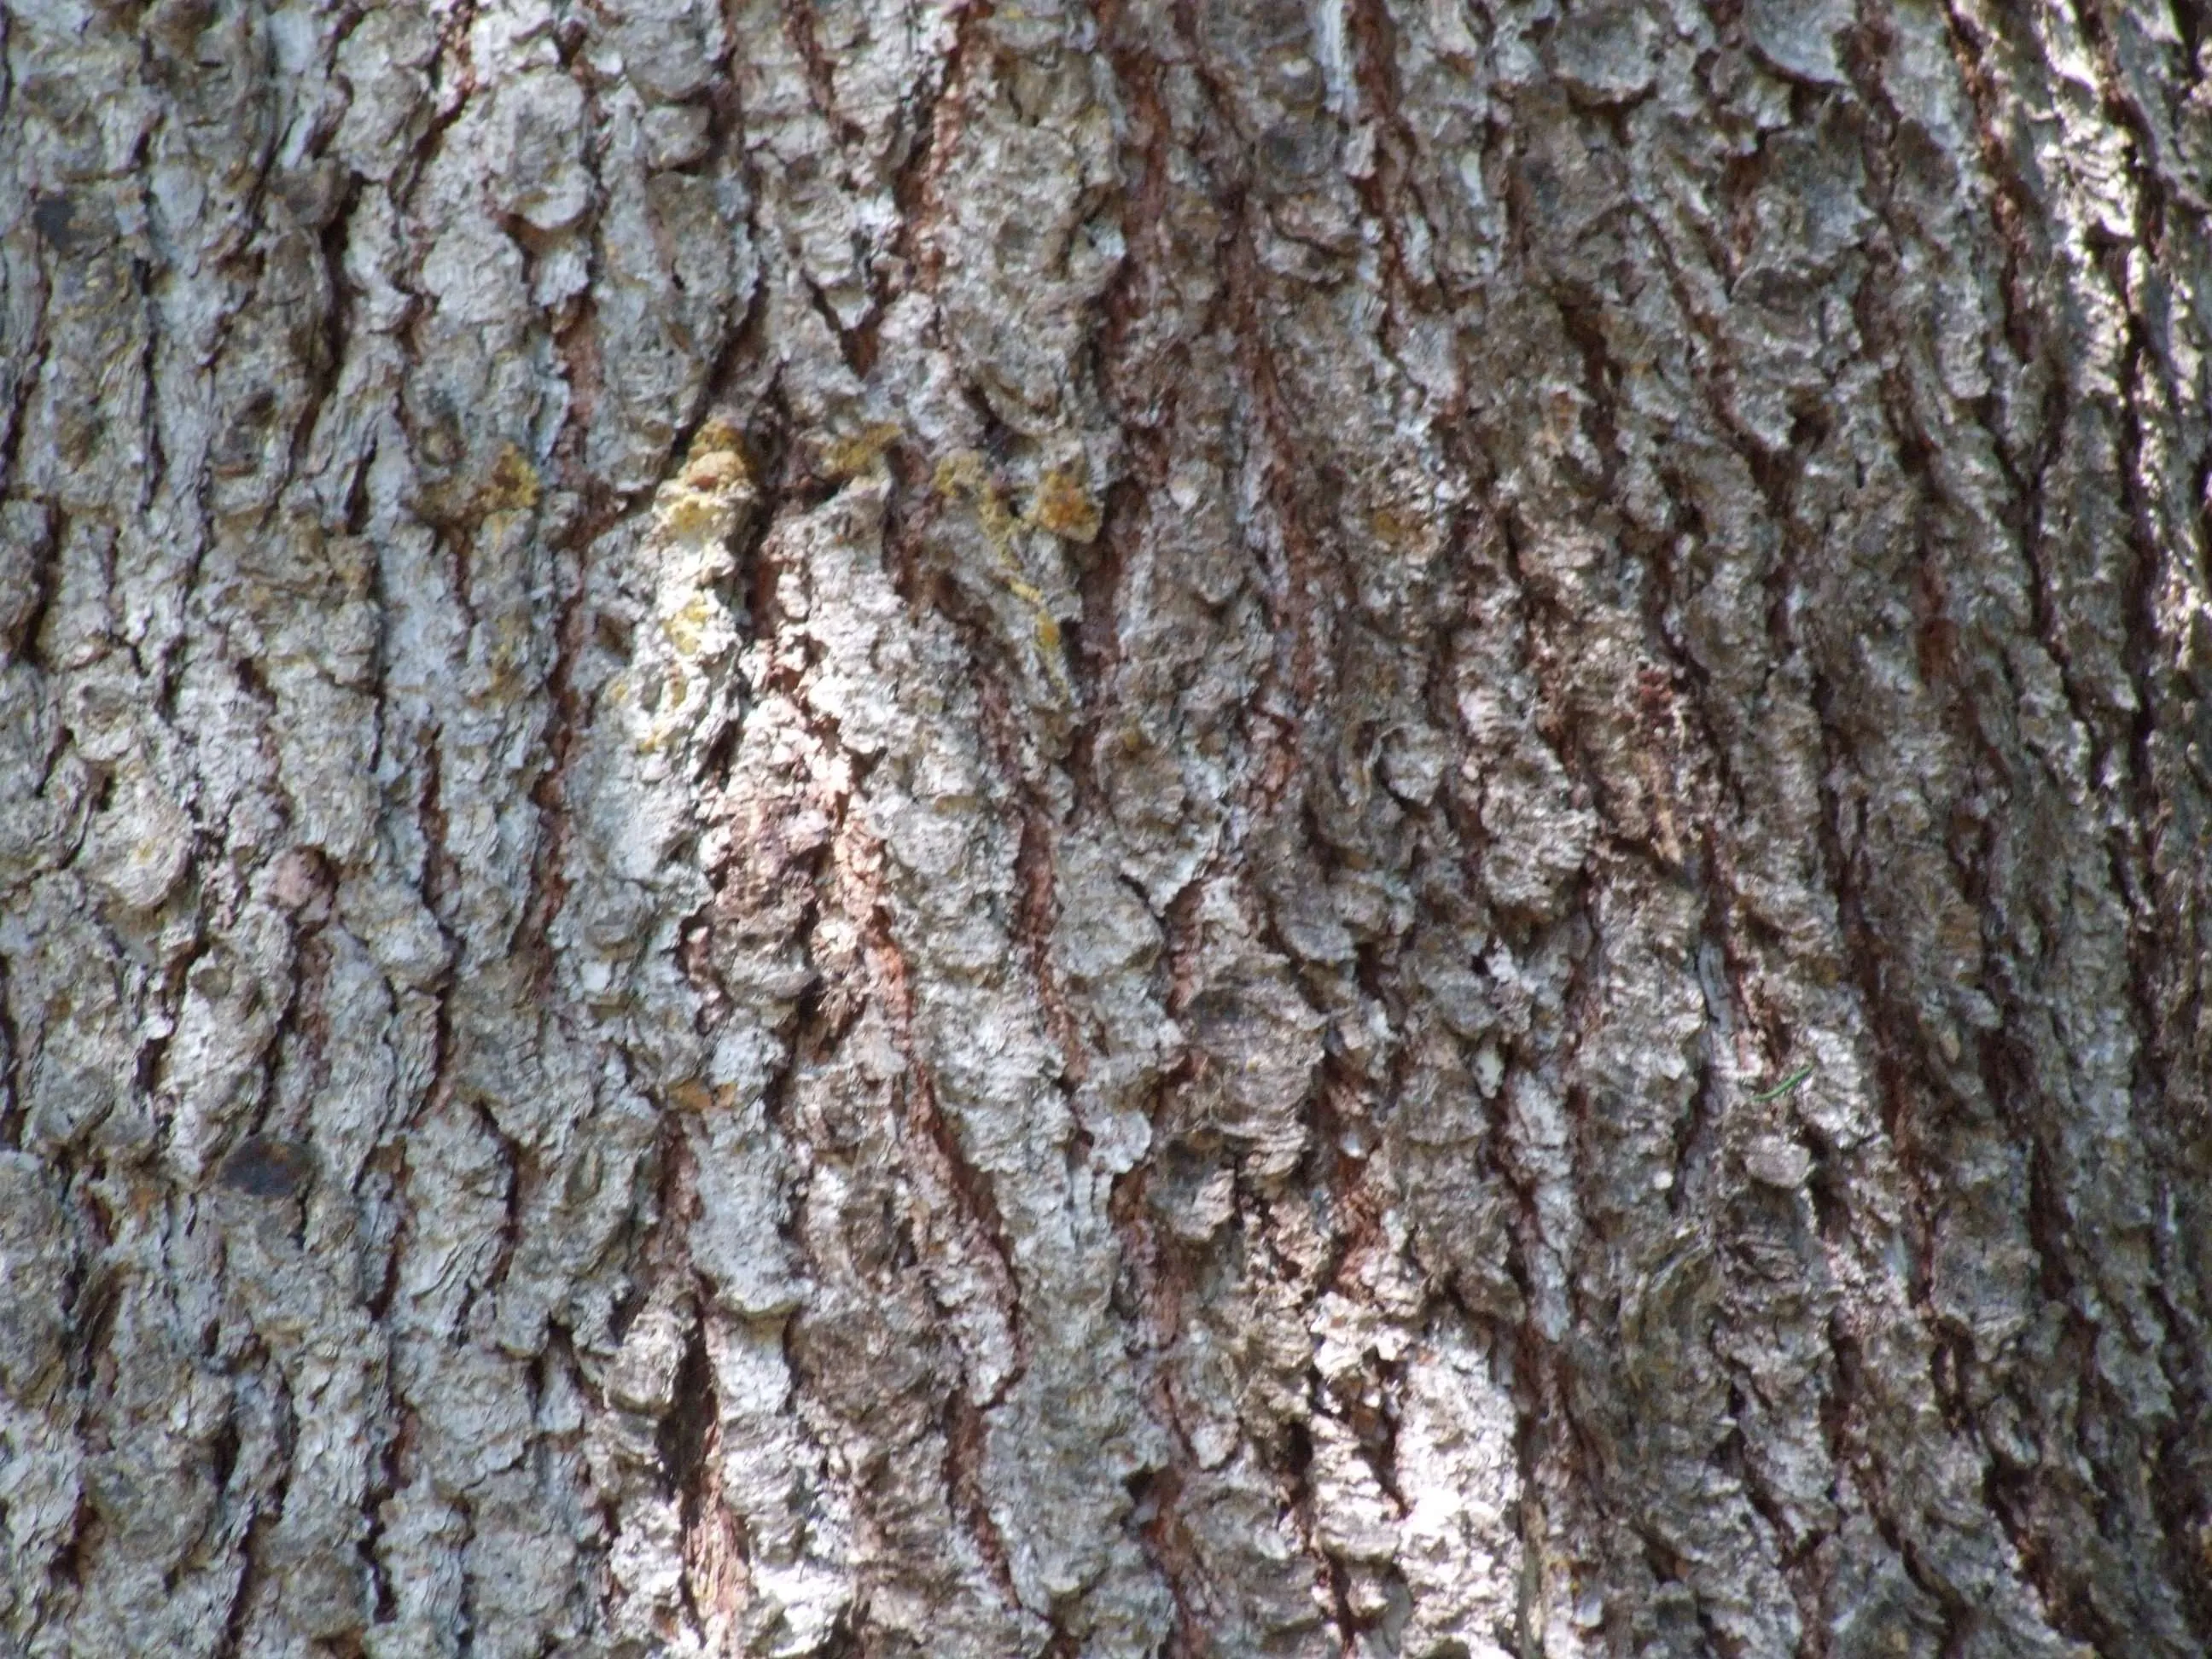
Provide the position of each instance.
(1193, 827)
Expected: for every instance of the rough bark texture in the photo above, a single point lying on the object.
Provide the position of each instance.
(1214, 827)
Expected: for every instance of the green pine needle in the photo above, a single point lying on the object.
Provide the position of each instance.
(1784, 1086)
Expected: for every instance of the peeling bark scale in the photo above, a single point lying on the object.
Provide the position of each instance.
(1106, 828)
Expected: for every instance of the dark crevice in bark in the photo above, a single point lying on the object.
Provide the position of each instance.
(455, 56)
(1155, 1498)
(964, 1428)
(973, 1190)
(1913, 1112)
(681, 1439)
(1095, 657)
(1149, 1294)
(1698, 1131)
(821, 71)
(382, 1488)
(1840, 867)
(849, 344)
(573, 537)
(13, 1113)
(514, 1163)
(1038, 917)
(267, 1511)
(2151, 188)
(2179, 1490)
(549, 879)
(1295, 675)
(93, 1293)
(323, 367)
(465, 1613)
(73, 1562)
(30, 368)
(914, 188)
(157, 458)
(43, 581)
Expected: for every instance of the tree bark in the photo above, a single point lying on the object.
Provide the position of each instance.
(1242, 828)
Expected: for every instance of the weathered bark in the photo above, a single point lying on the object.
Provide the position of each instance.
(1247, 828)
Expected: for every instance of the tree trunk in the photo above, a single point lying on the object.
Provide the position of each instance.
(1255, 828)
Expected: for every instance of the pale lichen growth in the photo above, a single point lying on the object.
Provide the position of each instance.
(857, 452)
(965, 474)
(1065, 506)
(704, 499)
(696, 517)
(514, 486)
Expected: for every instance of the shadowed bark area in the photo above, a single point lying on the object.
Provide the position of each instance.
(1184, 827)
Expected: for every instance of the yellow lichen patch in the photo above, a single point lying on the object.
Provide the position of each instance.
(1064, 506)
(687, 629)
(716, 459)
(513, 486)
(700, 500)
(716, 436)
(1393, 527)
(717, 470)
(693, 513)
(849, 457)
(964, 473)
(691, 1097)
(959, 473)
